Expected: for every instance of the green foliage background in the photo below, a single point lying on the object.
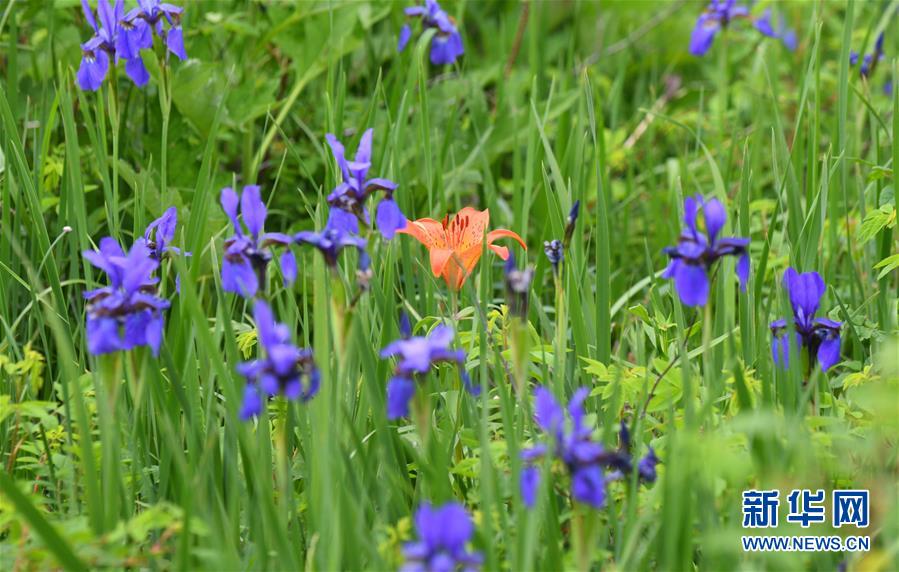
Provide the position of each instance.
(132, 461)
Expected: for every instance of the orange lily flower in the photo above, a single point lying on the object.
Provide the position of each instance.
(455, 245)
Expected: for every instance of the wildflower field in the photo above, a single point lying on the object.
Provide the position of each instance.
(512, 285)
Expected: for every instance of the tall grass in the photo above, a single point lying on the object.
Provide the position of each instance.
(130, 460)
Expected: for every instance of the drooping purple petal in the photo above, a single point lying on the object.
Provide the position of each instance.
(389, 218)
(102, 336)
(703, 34)
(829, 353)
(153, 333)
(252, 403)
(379, 183)
(763, 24)
(133, 36)
(239, 277)
(288, 268)
(743, 271)
(405, 34)
(92, 70)
(588, 486)
(692, 284)
(647, 466)
(174, 42)
(780, 351)
(342, 220)
(399, 392)
(137, 71)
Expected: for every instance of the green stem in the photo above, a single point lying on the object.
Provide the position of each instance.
(114, 118)
(581, 525)
(165, 104)
(711, 382)
(561, 330)
(421, 412)
(519, 343)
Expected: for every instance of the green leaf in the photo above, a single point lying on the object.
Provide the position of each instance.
(875, 221)
(887, 265)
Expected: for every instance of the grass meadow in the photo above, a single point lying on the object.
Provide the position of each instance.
(133, 434)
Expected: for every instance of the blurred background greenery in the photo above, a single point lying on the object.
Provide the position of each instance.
(552, 102)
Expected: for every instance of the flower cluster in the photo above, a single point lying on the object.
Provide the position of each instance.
(820, 337)
(128, 312)
(443, 535)
(247, 254)
(780, 32)
(282, 371)
(118, 35)
(572, 443)
(869, 61)
(446, 47)
(160, 233)
(348, 199)
(721, 13)
(416, 357)
(455, 245)
(696, 252)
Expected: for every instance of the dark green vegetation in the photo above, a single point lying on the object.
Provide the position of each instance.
(128, 460)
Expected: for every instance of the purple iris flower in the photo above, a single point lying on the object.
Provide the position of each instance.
(717, 16)
(137, 28)
(572, 443)
(446, 46)
(97, 52)
(621, 461)
(247, 254)
(720, 13)
(869, 61)
(282, 371)
(786, 35)
(331, 241)
(347, 200)
(697, 252)
(416, 357)
(160, 233)
(158, 237)
(443, 535)
(127, 313)
(820, 337)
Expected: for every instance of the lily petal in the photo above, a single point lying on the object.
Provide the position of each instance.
(503, 233)
(427, 231)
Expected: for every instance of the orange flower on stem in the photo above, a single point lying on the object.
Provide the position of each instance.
(455, 245)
